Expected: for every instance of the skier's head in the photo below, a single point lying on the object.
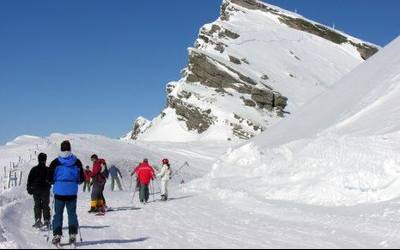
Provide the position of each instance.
(65, 146)
(42, 158)
(87, 167)
(94, 158)
(165, 162)
(146, 160)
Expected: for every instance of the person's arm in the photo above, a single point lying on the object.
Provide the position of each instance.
(51, 170)
(119, 172)
(161, 173)
(29, 184)
(81, 171)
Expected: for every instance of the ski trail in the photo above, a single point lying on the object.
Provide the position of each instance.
(198, 220)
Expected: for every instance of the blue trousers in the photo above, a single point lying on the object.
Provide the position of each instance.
(59, 206)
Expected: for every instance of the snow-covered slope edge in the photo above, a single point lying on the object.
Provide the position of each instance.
(342, 149)
(247, 70)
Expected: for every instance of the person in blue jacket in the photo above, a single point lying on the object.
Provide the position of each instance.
(66, 174)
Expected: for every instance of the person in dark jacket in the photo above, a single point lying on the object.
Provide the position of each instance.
(115, 175)
(40, 189)
(66, 174)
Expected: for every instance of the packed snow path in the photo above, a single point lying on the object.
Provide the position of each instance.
(193, 220)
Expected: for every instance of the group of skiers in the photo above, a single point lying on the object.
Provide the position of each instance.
(66, 173)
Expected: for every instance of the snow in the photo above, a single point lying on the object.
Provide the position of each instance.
(340, 150)
(299, 65)
(326, 177)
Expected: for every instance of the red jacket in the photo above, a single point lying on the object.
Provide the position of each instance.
(88, 175)
(145, 173)
(97, 169)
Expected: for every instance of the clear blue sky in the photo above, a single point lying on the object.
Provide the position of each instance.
(92, 66)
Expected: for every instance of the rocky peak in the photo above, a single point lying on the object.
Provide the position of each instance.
(249, 69)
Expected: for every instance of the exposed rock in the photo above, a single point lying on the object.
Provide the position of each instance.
(366, 51)
(195, 118)
(263, 98)
(244, 60)
(184, 95)
(249, 103)
(228, 33)
(220, 47)
(140, 126)
(204, 70)
(234, 60)
(280, 101)
(265, 77)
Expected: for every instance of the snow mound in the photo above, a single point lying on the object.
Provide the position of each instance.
(341, 149)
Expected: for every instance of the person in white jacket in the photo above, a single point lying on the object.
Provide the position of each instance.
(164, 175)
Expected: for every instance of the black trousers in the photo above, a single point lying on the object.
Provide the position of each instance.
(42, 205)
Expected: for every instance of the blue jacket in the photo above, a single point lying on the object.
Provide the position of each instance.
(67, 175)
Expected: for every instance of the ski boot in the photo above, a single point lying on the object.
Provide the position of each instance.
(56, 241)
(38, 224)
(92, 210)
(72, 239)
(46, 224)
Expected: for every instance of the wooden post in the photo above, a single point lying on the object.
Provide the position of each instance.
(15, 179)
(9, 180)
(20, 178)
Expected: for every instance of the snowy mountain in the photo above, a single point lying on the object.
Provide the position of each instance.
(342, 148)
(254, 65)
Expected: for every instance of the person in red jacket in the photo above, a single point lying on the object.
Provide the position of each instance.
(145, 174)
(99, 177)
(88, 178)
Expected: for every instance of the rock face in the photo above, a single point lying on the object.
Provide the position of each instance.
(247, 70)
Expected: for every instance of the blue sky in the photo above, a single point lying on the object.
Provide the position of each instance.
(93, 66)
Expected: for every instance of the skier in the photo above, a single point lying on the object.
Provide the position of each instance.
(66, 174)
(40, 189)
(87, 185)
(99, 176)
(165, 175)
(145, 174)
(115, 173)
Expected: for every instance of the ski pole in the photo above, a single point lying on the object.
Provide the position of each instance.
(177, 171)
(152, 187)
(49, 228)
(80, 233)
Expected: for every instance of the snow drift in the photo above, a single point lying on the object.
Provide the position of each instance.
(340, 149)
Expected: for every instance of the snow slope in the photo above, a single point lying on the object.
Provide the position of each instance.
(341, 149)
(241, 68)
(217, 218)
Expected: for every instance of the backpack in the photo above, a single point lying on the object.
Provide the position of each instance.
(106, 172)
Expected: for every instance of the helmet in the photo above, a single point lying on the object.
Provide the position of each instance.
(165, 161)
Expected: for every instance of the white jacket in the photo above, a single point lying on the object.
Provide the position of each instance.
(165, 173)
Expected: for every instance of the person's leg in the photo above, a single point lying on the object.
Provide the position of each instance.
(146, 193)
(84, 186)
(119, 184)
(37, 208)
(59, 206)
(96, 195)
(72, 217)
(112, 184)
(46, 206)
(142, 194)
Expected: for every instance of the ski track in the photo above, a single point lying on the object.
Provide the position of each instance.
(188, 222)
(203, 215)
